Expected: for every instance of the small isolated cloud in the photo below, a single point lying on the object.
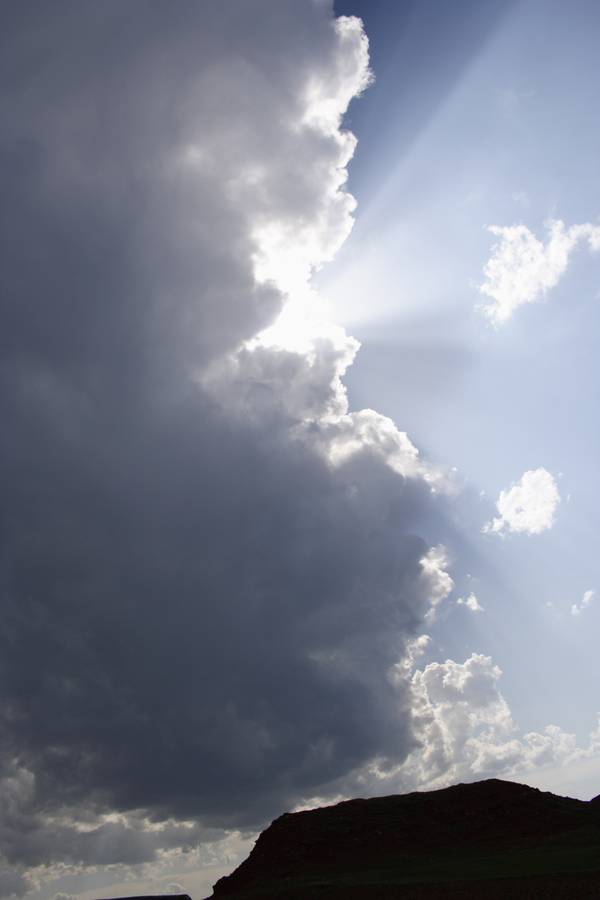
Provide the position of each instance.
(471, 602)
(528, 507)
(578, 608)
(522, 268)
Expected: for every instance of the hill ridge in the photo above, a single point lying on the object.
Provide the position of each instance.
(474, 832)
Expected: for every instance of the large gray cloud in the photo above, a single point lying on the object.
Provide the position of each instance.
(208, 565)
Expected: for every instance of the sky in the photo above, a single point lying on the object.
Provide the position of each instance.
(298, 380)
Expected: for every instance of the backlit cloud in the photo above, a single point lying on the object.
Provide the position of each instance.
(210, 564)
(215, 572)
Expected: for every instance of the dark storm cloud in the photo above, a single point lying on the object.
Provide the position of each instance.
(167, 602)
(198, 609)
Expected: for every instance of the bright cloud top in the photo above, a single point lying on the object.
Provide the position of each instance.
(578, 608)
(522, 268)
(528, 507)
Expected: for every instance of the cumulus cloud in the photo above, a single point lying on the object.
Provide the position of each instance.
(522, 268)
(470, 602)
(465, 731)
(578, 608)
(210, 564)
(528, 507)
(468, 731)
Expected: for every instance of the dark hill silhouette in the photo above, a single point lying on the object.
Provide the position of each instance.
(489, 839)
(156, 897)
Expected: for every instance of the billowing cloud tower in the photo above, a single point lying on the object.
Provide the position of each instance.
(210, 566)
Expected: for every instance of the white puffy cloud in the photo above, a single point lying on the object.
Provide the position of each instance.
(578, 608)
(522, 268)
(528, 507)
(465, 731)
(470, 602)
(468, 731)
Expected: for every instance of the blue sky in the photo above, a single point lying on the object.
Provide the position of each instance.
(483, 115)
